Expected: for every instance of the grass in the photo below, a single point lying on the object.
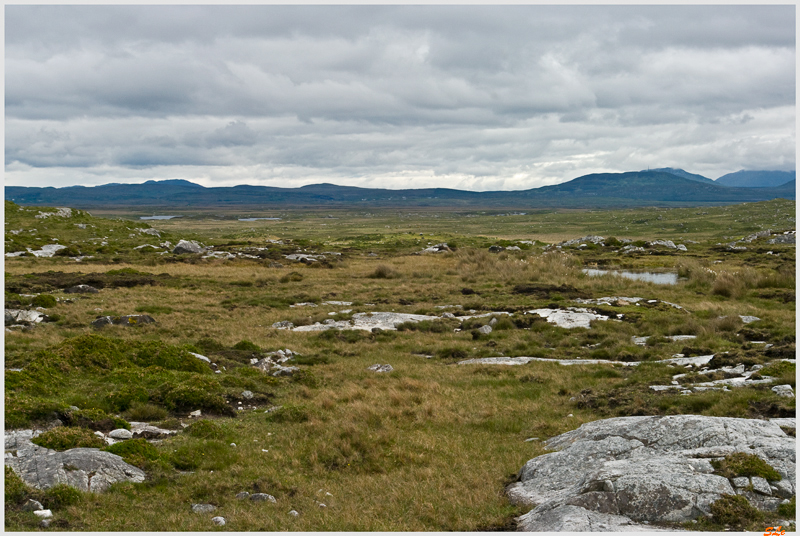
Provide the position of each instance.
(428, 447)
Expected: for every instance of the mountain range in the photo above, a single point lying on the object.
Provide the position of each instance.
(655, 187)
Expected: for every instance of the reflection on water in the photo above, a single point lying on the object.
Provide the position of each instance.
(659, 278)
(158, 217)
(255, 219)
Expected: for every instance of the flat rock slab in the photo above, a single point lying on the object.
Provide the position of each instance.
(643, 470)
(696, 361)
(367, 322)
(86, 469)
(22, 316)
(573, 317)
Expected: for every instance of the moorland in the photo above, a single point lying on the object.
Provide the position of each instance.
(429, 445)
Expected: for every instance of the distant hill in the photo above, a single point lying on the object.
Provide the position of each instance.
(684, 174)
(756, 179)
(603, 190)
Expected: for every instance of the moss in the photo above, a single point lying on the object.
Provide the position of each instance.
(195, 392)
(144, 412)
(94, 419)
(741, 464)
(68, 437)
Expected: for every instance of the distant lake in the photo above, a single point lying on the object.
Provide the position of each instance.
(659, 278)
(256, 219)
(158, 217)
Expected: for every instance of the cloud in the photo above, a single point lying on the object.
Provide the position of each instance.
(478, 97)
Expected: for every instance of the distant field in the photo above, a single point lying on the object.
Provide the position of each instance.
(429, 446)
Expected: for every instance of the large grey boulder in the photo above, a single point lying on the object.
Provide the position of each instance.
(644, 470)
(187, 246)
(81, 289)
(86, 469)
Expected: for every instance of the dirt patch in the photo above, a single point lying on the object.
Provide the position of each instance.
(767, 409)
(546, 291)
(50, 281)
(785, 296)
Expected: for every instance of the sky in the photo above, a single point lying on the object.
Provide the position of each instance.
(469, 97)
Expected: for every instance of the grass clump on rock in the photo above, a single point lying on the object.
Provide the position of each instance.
(94, 419)
(736, 512)
(138, 452)
(68, 437)
(741, 464)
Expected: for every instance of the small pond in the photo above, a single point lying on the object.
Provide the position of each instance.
(659, 278)
(256, 219)
(157, 217)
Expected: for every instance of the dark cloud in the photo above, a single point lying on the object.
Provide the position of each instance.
(475, 96)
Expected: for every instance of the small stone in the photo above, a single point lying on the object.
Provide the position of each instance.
(322, 505)
(120, 433)
(45, 523)
(242, 495)
(485, 330)
(233, 444)
(218, 520)
(32, 506)
(247, 394)
(203, 508)
(260, 497)
(43, 513)
(380, 368)
(760, 485)
(783, 390)
(741, 482)
(294, 513)
(195, 413)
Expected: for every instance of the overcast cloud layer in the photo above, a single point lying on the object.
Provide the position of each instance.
(469, 97)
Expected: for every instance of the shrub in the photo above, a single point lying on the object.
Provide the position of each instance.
(205, 429)
(15, 488)
(61, 495)
(741, 464)
(736, 511)
(451, 353)
(291, 276)
(195, 392)
(144, 412)
(68, 437)
(134, 451)
(126, 397)
(383, 271)
(94, 419)
(170, 424)
(246, 346)
(205, 454)
(44, 300)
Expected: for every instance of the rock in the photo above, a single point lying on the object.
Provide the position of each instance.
(203, 508)
(247, 394)
(261, 497)
(120, 433)
(740, 482)
(437, 248)
(22, 316)
(760, 485)
(484, 330)
(31, 506)
(147, 431)
(498, 361)
(187, 246)
(201, 357)
(43, 513)
(242, 495)
(783, 390)
(496, 249)
(749, 319)
(81, 289)
(218, 520)
(644, 470)
(572, 317)
(294, 513)
(195, 413)
(278, 370)
(128, 320)
(86, 469)
(380, 368)
(782, 239)
(47, 251)
(284, 324)
(45, 523)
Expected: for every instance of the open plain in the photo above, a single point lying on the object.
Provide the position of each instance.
(249, 349)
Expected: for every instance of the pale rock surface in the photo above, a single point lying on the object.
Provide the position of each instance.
(615, 473)
(120, 433)
(203, 508)
(380, 368)
(572, 317)
(187, 246)
(783, 390)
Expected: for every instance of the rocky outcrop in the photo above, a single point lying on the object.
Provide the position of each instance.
(81, 289)
(572, 317)
(23, 316)
(627, 472)
(86, 469)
